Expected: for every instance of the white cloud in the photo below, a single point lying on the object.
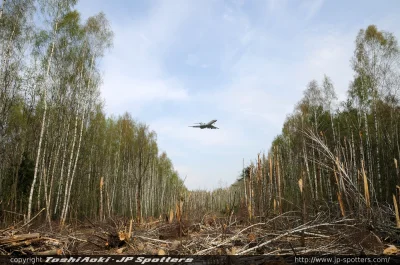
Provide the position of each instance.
(276, 5)
(247, 101)
(328, 54)
(121, 87)
(134, 71)
(312, 7)
(202, 177)
(193, 180)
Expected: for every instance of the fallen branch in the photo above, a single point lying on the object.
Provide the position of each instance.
(237, 234)
(82, 240)
(33, 218)
(295, 230)
(152, 239)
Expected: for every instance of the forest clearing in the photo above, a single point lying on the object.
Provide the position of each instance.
(75, 180)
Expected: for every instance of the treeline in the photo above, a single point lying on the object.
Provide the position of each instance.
(342, 157)
(58, 150)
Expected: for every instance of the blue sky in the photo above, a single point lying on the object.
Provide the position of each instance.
(244, 63)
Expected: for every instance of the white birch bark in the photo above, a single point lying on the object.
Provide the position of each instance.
(76, 162)
(69, 168)
(61, 179)
(42, 129)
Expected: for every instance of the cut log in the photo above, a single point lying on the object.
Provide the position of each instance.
(20, 243)
(17, 238)
(50, 252)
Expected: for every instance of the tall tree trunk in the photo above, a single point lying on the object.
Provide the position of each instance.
(42, 129)
(68, 179)
(61, 178)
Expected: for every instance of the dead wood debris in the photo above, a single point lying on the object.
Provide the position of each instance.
(31, 244)
(283, 234)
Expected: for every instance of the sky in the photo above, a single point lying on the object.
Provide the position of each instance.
(244, 63)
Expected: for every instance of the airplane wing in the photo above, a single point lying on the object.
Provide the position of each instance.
(213, 127)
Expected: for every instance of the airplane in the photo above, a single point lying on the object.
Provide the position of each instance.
(205, 125)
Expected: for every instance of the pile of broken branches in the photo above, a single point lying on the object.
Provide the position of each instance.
(283, 234)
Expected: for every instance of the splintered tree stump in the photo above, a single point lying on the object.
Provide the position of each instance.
(115, 241)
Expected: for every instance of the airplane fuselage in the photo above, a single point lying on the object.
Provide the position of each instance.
(211, 122)
(208, 125)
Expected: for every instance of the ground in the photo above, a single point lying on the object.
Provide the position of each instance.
(213, 234)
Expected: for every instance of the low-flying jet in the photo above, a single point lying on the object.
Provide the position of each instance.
(206, 125)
